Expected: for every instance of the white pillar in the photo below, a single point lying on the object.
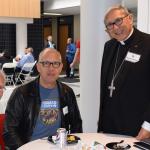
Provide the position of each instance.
(93, 38)
(21, 37)
(143, 16)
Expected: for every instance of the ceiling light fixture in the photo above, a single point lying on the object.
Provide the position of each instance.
(52, 14)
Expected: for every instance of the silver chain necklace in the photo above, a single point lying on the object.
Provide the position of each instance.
(112, 87)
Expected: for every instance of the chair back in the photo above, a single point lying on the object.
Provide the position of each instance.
(9, 69)
(26, 75)
(28, 66)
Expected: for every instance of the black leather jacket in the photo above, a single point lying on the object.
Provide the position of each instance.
(23, 109)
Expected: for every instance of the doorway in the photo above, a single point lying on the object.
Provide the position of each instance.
(62, 40)
(46, 32)
(65, 30)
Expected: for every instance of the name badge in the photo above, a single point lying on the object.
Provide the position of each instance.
(65, 110)
(132, 57)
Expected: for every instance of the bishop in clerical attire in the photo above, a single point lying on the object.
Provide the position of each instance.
(125, 77)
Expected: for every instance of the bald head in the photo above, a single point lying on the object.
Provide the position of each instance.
(49, 51)
(30, 50)
(50, 38)
(49, 67)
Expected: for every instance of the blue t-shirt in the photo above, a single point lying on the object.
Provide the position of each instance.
(49, 119)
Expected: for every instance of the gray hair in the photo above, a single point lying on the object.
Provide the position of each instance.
(116, 7)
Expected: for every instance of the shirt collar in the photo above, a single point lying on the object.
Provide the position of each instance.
(123, 42)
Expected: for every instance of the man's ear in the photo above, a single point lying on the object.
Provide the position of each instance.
(62, 66)
(131, 17)
(37, 66)
(106, 31)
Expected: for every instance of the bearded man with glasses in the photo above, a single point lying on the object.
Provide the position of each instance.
(125, 77)
(37, 109)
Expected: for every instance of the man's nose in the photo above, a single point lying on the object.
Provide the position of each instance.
(115, 26)
(51, 66)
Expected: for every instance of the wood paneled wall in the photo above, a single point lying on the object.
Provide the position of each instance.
(20, 8)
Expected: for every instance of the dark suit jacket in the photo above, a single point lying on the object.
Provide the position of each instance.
(47, 44)
(129, 107)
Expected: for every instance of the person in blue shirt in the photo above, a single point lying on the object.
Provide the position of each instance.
(70, 52)
(27, 58)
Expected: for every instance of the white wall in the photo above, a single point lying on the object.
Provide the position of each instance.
(21, 38)
(93, 37)
(130, 3)
(143, 16)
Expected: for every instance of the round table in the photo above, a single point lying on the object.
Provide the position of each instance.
(87, 138)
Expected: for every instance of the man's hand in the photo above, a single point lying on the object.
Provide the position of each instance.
(143, 134)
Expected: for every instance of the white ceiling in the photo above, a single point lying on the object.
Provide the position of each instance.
(67, 11)
(76, 9)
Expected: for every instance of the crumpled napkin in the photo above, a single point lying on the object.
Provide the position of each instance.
(93, 146)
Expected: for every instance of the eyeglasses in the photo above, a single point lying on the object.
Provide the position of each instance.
(117, 22)
(55, 64)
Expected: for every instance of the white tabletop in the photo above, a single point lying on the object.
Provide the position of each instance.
(86, 138)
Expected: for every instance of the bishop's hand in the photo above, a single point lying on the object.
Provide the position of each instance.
(143, 134)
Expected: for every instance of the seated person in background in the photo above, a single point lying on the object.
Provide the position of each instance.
(37, 109)
(49, 42)
(5, 58)
(18, 57)
(70, 52)
(27, 58)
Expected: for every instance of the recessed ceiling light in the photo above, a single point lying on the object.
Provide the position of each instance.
(52, 14)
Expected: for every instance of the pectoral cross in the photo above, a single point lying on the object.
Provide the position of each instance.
(111, 88)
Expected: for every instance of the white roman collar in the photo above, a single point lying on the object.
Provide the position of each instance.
(122, 42)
